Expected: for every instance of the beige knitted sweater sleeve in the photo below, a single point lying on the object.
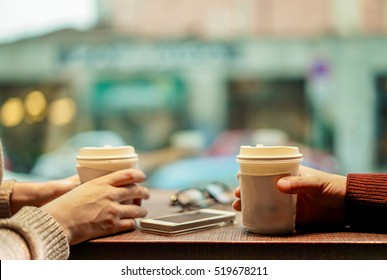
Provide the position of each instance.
(29, 234)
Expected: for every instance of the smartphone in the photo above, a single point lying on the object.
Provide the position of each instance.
(187, 221)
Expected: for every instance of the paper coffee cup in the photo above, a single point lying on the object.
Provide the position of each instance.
(94, 162)
(265, 209)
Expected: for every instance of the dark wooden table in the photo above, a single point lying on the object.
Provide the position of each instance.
(230, 242)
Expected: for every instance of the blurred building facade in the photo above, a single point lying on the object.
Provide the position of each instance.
(315, 69)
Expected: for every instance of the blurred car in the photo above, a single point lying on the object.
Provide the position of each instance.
(11, 175)
(62, 161)
(218, 161)
(196, 171)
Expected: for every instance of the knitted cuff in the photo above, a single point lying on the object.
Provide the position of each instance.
(366, 202)
(6, 188)
(45, 238)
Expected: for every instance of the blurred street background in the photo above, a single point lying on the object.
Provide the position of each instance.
(186, 82)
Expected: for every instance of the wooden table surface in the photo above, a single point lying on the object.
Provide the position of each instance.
(230, 242)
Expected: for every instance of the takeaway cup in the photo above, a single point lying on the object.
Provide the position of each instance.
(93, 162)
(265, 209)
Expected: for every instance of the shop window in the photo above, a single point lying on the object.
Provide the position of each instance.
(144, 110)
(270, 104)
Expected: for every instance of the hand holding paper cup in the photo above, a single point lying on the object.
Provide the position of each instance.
(265, 209)
(94, 162)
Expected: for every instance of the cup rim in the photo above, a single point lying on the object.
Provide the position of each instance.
(260, 152)
(106, 152)
(272, 158)
(98, 158)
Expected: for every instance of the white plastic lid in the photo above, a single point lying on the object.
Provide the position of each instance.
(106, 152)
(269, 152)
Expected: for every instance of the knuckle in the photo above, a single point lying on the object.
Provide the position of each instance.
(112, 196)
(139, 211)
(137, 191)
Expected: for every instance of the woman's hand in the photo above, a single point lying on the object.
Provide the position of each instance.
(39, 193)
(320, 198)
(95, 208)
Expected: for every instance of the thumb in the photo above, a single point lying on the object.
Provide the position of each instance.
(298, 184)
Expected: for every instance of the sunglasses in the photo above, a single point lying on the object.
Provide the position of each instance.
(202, 197)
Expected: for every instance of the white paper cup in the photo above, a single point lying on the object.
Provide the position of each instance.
(265, 209)
(94, 162)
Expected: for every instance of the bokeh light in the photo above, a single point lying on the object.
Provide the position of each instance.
(12, 112)
(36, 105)
(62, 111)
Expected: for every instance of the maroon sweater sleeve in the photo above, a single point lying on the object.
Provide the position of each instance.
(366, 202)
